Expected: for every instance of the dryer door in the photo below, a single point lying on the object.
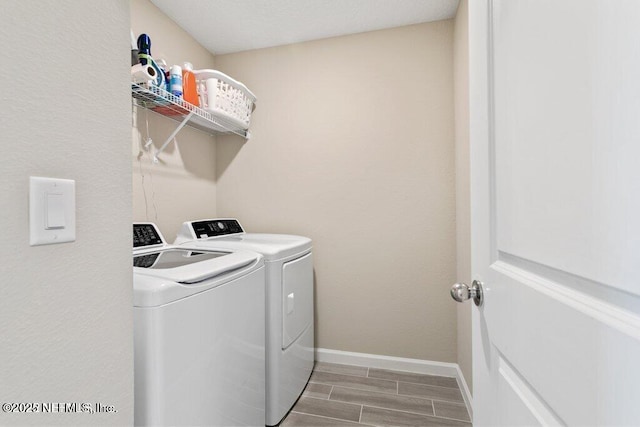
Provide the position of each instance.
(297, 298)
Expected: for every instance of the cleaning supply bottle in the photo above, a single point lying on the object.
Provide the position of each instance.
(189, 88)
(175, 83)
(144, 49)
(144, 56)
(165, 70)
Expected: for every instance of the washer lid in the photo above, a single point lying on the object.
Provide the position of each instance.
(228, 233)
(170, 274)
(171, 258)
(272, 246)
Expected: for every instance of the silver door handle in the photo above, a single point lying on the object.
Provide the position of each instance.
(462, 292)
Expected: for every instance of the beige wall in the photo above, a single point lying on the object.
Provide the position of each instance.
(463, 242)
(66, 309)
(353, 146)
(182, 186)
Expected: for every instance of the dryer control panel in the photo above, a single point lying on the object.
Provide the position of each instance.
(215, 228)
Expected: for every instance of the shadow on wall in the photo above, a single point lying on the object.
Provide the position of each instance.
(228, 148)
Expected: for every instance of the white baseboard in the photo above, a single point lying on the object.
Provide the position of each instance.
(418, 366)
(466, 393)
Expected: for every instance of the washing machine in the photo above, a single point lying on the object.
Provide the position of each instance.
(289, 303)
(199, 340)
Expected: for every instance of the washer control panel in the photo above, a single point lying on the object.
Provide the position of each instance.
(146, 235)
(215, 228)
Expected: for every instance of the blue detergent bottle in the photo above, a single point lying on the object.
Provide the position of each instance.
(175, 82)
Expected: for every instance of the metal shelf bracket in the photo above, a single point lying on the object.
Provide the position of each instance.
(172, 136)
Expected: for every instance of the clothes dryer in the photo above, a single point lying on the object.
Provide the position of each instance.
(199, 341)
(289, 303)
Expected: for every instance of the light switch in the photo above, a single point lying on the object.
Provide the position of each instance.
(52, 210)
(54, 206)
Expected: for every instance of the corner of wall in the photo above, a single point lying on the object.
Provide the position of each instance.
(463, 209)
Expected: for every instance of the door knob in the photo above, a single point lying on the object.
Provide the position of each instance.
(462, 292)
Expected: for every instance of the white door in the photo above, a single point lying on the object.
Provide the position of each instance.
(555, 167)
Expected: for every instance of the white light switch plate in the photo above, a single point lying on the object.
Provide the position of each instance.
(52, 210)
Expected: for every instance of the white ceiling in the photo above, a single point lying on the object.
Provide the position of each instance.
(225, 26)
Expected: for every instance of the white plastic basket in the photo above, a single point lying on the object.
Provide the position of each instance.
(224, 96)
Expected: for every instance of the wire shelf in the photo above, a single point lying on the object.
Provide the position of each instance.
(162, 102)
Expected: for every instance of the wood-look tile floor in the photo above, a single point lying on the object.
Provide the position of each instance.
(345, 395)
